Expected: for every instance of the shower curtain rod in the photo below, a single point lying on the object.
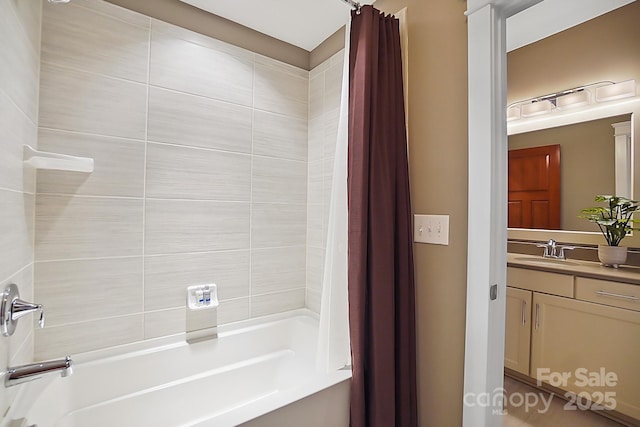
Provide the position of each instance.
(354, 4)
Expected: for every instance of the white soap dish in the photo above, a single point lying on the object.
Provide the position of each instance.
(56, 161)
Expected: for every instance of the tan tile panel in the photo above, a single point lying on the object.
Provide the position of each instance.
(20, 61)
(59, 341)
(15, 130)
(315, 183)
(184, 119)
(315, 237)
(188, 67)
(333, 86)
(180, 226)
(319, 69)
(233, 310)
(168, 276)
(313, 300)
(164, 322)
(277, 225)
(194, 173)
(28, 14)
(278, 91)
(315, 268)
(80, 38)
(277, 269)
(262, 305)
(331, 124)
(315, 141)
(16, 232)
(94, 288)
(71, 227)
(279, 136)
(91, 103)
(327, 179)
(279, 180)
(316, 96)
(118, 164)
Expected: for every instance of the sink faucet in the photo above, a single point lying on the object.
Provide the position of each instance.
(24, 373)
(552, 250)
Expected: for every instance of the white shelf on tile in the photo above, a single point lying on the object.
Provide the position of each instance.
(55, 161)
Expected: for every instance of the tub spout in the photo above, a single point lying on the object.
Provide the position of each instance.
(24, 373)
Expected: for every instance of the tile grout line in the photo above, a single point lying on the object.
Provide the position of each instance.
(144, 179)
(35, 181)
(253, 101)
(165, 254)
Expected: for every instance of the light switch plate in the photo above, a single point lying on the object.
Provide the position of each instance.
(432, 229)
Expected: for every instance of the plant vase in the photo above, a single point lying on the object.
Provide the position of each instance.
(612, 256)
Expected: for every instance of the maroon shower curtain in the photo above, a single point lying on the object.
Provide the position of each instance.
(381, 280)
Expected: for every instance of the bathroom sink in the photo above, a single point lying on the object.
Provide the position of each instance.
(546, 261)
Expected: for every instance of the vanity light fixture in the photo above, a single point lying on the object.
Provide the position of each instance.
(513, 113)
(571, 98)
(616, 91)
(537, 108)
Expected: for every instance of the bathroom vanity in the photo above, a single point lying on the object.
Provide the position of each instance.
(573, 327)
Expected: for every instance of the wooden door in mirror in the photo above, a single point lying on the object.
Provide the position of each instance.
(534, 188)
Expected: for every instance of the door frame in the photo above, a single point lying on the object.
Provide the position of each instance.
(487, 211)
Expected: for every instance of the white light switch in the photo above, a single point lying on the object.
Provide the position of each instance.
(431, 229)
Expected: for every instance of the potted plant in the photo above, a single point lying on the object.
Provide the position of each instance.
(615, 222)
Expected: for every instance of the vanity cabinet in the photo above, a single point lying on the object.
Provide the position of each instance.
(579, 334)
(595, 348)
(517, 343)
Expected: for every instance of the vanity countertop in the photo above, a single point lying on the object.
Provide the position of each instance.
(624, 273)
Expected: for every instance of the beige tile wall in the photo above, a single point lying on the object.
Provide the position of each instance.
(325, 83)
(200, 176)
(19, 69)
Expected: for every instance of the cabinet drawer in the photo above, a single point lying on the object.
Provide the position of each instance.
(615, 294)
(540, 281)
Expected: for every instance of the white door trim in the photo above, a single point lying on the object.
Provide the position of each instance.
(487, 209)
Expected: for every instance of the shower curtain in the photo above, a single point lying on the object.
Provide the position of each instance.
(334, 351)
(380, 254)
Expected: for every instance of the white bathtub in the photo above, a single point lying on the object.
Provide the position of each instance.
(256, 373)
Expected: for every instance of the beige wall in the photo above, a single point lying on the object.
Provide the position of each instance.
(19, 59)
(200, 154)
(587, 164)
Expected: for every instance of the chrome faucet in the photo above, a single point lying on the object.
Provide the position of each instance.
(32, 371)
(13, 308)
(552, 250)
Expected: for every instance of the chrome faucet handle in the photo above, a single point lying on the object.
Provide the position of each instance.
(21, 308)
(549, 248)
(13, 308)
(562, 255)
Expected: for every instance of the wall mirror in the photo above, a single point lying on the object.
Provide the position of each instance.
(595, 158)
(590, 53)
